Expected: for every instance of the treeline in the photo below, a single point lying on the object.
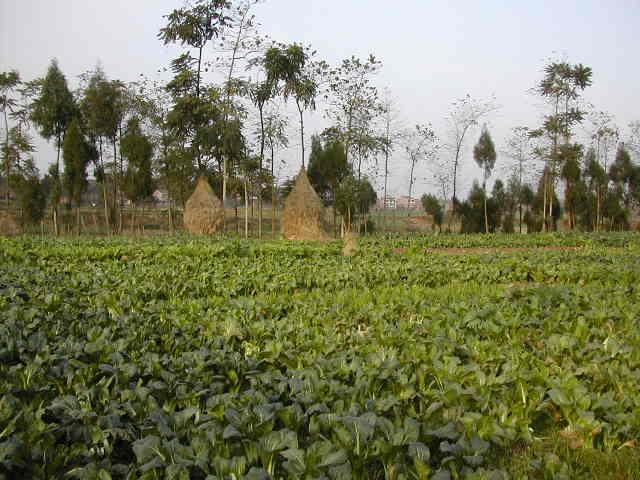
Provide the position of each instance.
(231, 126)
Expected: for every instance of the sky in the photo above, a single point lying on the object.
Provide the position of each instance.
(432, 52)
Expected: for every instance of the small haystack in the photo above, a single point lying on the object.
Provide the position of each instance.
(350, 246)
(8, 224)
(303, 216)
(203, 214)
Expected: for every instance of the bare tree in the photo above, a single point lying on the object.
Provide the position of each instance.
(464, 116)
(633, 141)
(520, 150)
(240, 45)
(393, 133)
(421, 145)
(604, 136)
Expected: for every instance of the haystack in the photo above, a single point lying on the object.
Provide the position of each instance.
(203, 214)
(350, 246)
(8, 224)
(304, 217)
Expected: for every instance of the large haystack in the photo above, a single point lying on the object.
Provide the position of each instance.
(303, 216)
(8, 224)
(203, 214)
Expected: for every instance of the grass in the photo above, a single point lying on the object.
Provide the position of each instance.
(557, 457)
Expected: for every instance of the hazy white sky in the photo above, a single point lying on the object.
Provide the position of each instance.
(432, 51)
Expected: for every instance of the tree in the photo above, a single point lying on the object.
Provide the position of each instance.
(288, 67)
(52, 112)
(422, 144)
(17, 145)
(484, 154)
(519, 149)
(138, 150)
(465, 114)
(354, 195)
(527, 198)
(541, 204)
(596, 182)
(433, 207)
(328, 167)
(634, 138)
(76, 155)
(9, 82)
(30, 192)
(101, 108)
(605, 135)
(260, 93)
(275, 137)
(194, 27)
(239, 42)
(512, 201)
(561, 87)
(250, 173)
(570, 157)
(354, 104)
(392, 133)
(501, 200)
(624, 175)
(472, 211)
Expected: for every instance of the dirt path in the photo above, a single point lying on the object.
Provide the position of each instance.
(480, 250)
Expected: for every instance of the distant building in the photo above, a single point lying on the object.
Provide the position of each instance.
(388, 203)
(161, 197)
(406, 202)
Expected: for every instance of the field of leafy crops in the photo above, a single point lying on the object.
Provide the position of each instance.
(182, 358)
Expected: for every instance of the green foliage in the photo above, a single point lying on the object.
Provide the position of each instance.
(472, 211)
(102, 106)
(197, 25)
(563, 83)
(54, 108)
(138, 150)
(174, 357)
(288, 69)
(433, 207)
(285, 66)
(328, 167)
(31, 193)
(354, 197)
(76, 153)
(624, 174)
(484, 153)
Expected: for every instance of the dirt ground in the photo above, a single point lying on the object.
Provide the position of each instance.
(459, 251)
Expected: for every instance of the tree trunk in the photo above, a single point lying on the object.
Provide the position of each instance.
(520, 215)
(59, 190)
(273, 211)
(544, 203)
(121, 176)
(259, 212)
(78, 219)
(246, 210)
(142, 220)
(7, 159)
(224, 194)
(301, 130)
(486, 217)
(170, 217)
(598, 219)
(106, 207)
